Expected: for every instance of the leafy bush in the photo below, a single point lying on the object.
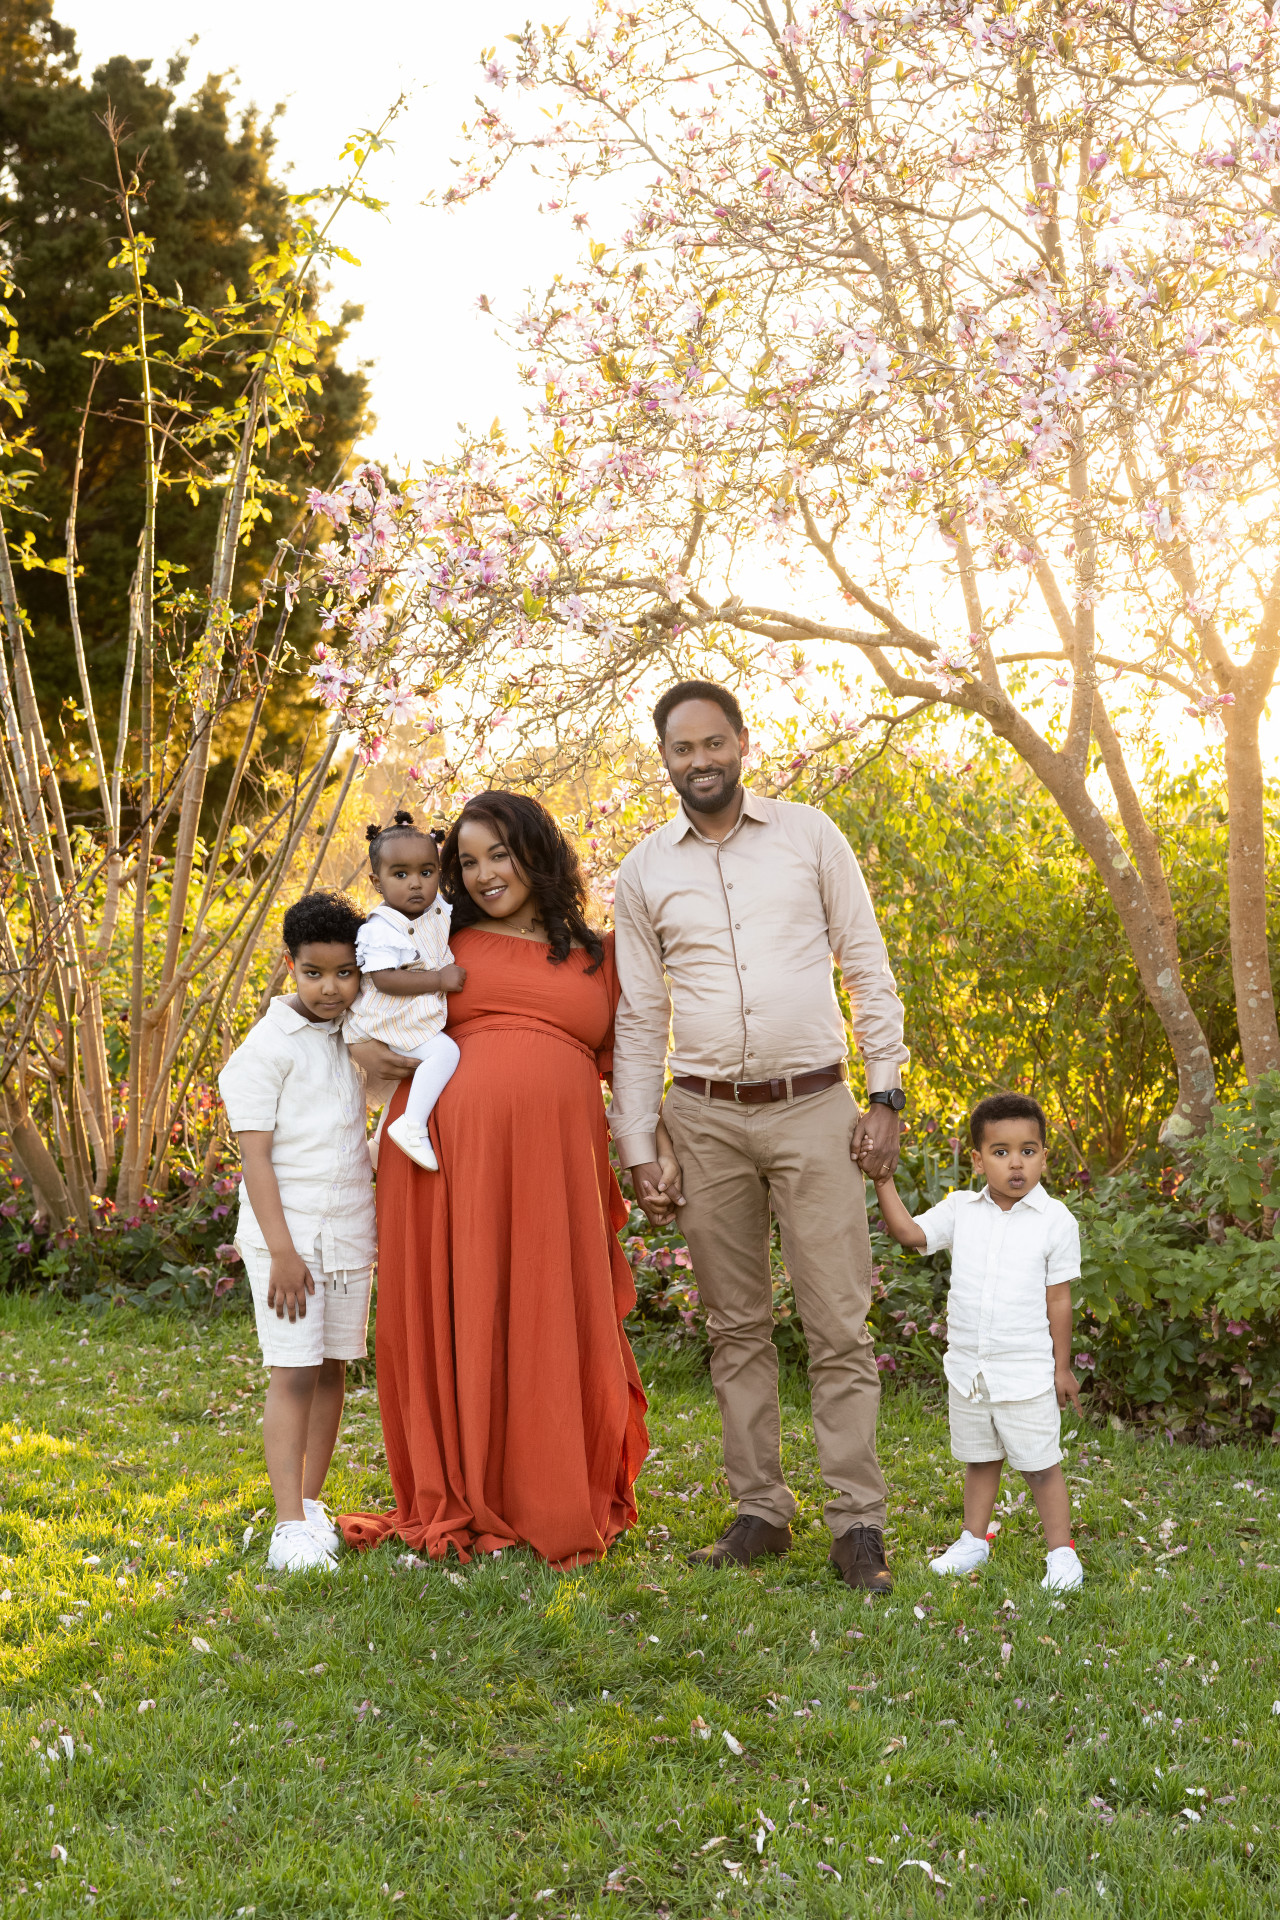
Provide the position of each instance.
(175, 1252)
(1178, 1304)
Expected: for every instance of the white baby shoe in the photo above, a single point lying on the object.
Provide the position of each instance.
(964, 1555)
(321, 1524)
(413, 1141)
(295, 1548)
(1065, 1572)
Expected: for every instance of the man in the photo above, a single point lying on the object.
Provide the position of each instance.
(727, 919)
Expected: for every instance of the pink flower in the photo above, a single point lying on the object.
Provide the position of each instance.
(886, 1363)
(226, 1253)
(1086, 1361)
(1234, 1327)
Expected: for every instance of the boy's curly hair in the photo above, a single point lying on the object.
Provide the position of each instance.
(1005, 1106)
(321, 919)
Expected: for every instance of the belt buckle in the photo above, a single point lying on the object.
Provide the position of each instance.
(737, 1097)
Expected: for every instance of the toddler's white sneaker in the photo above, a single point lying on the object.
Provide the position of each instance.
(296, 1549)
(962, 1556)
(415, 1142)
(320, 1521)
(1065, 1572)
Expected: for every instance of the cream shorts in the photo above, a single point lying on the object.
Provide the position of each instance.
(337, 1319)
(1026, 1433)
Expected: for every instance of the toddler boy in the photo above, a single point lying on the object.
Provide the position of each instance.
(1014, 1253)
(306, 1229)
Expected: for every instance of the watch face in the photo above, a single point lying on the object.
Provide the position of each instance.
(894, 1098)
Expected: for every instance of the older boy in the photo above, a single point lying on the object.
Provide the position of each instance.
(1014, 1253)
(306, 1230)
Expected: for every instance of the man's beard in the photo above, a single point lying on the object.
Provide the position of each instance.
(715, 801)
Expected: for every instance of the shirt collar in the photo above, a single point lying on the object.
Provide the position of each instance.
(753, 808)
(1037, 1199)
(289, 1020)
(393, 916)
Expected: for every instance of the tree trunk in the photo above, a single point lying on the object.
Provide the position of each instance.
(1247, 879)
(1139, 915)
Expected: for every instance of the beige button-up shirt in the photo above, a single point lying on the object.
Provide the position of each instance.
(725, 948)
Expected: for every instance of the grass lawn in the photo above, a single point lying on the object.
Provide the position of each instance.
(184, 1735)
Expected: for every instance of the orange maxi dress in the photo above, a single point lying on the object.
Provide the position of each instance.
(512, 1409)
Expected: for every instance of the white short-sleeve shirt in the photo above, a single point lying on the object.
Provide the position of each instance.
(387, 941)
(294, 1079)
(1001, 1263)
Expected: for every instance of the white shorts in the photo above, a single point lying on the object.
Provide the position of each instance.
(336, 1326)
(1026, 1433)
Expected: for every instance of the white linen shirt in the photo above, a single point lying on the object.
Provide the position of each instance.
(1001, 1263)
(294, 1079)
(387, 941)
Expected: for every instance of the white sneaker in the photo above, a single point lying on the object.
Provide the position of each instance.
(1065, 1572)
(415, 1142)
(962, 1556)
(296, 1549)
(320, 1521)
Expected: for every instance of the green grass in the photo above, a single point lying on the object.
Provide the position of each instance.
(394, 1738)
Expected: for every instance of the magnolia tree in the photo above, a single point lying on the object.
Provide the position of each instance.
(941, 337)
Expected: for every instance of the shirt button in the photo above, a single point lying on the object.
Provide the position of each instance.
(744, 966)
(737, 926)
(729, 884)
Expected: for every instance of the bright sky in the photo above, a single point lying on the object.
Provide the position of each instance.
(436, 360)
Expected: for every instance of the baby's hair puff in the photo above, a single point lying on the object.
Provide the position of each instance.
(402, 826)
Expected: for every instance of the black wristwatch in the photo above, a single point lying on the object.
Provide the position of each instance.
(891, 1097)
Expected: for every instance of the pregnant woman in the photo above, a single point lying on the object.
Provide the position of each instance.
(512, 1410)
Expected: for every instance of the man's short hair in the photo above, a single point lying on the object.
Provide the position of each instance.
(321, 919)
(1004, 1106)
(696, 690)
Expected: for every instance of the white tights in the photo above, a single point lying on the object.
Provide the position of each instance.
(439, 1058)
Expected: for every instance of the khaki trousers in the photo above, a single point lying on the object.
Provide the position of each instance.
(793, 1156)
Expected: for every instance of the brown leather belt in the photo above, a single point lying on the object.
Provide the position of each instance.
(753, 1093)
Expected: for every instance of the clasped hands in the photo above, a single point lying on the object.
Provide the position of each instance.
(659, 1183)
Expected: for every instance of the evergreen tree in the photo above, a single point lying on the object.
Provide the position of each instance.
(212, 208)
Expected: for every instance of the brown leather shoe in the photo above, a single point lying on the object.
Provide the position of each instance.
(746, 1539)
(859, 1558)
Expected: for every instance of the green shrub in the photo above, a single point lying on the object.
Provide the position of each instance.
(175, 1252)
(1178, 1303)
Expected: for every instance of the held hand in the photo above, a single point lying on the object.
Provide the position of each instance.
(672, 1180)
(652, 1195)
(1067, 1387)
(379, 1062)
(289, 1285)
(875, 1141)
(452, 979)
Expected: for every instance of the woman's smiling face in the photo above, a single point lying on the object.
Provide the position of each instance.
(490, 873)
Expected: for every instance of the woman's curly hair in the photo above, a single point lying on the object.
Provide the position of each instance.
(540, 848)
